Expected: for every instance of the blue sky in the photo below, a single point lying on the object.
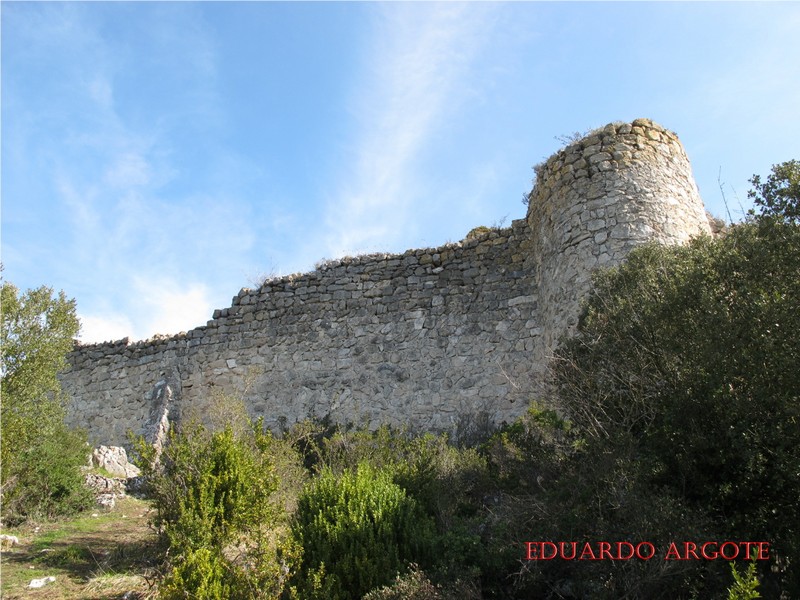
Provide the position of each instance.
(157, 157)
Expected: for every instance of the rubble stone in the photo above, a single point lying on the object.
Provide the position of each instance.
(427, 339)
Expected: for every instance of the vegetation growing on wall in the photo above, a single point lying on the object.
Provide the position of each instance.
(674, 417)
(683, 383)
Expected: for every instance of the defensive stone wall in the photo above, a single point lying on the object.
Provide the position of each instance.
(431, 339)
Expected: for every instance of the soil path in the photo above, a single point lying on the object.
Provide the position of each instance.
(104, 555)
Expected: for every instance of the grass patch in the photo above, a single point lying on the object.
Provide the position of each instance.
(71, 555)
(99, 555)
(113, 585)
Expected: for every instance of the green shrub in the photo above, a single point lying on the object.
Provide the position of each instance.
(213, 497)
(449, 484)
(745, 585)
(445, 480)
(357, 529)
(414, 585)
(201, 573)
(210, 488)
(528, 454)
(47, 478)
(683, 383)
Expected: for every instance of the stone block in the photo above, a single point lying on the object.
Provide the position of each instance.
(510, 295)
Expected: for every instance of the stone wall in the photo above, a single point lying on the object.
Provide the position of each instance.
(432, 339)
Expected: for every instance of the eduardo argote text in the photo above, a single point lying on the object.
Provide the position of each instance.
(714, 550)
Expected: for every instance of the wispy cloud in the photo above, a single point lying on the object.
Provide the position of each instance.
(161, 306)
(129, 169)
(98, 328)
(171, 307)
(420, 61)
(144, 231)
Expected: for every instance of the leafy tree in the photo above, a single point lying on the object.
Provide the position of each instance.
(684, 371)
(37, 332)
(779, 195)
(40, 456)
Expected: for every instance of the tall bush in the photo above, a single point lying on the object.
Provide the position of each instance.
(448, 483)
(684, 373)
(357, 530)
(213, 496)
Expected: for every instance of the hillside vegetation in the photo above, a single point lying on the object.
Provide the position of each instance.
(673, 418)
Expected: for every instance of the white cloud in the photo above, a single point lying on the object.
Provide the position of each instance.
(141, 258)
(169, 307)
(128, 169)
(421, 59)
(155, 305)
(85, 218)
(104, 328)
(101, 93)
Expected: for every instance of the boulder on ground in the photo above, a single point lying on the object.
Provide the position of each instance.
(37, 583)
(107, 501)
(100, 484)
(114, 460)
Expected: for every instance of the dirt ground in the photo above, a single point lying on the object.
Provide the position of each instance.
(100, 555)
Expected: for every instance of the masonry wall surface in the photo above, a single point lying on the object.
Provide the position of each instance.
(431, 338)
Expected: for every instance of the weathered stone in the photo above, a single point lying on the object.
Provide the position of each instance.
(106, 501)
(41, 582)
(100, 484)
(599, 157)
(113, 459)
(444, 319)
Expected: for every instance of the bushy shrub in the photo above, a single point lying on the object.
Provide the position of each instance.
(210, 487)
(682, 382)
(449, 483)
(201, 573)
(528, 454)
(213, 497)
(46, 479)
(357, 530)
(413, 585)
(441, 477)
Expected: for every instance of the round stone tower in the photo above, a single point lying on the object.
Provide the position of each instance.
(619, 187)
